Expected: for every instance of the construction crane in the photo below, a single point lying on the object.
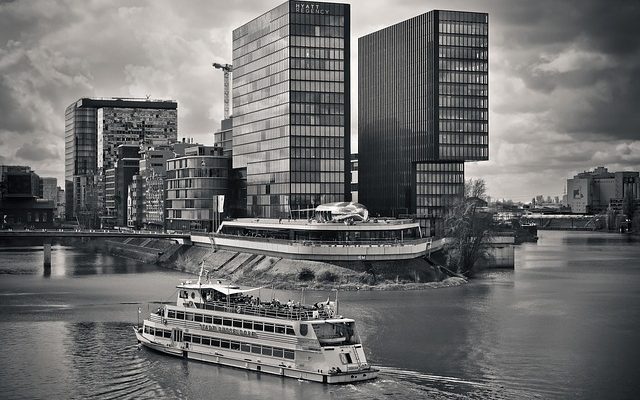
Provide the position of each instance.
(227, 68)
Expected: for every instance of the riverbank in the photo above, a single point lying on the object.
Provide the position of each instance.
(280, 273)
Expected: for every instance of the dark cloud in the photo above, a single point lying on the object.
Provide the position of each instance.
(563, 75)
(37, 151)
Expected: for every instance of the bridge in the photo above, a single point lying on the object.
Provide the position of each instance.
(89, 233)
(47, 236)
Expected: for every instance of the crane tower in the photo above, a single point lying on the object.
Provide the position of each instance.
(227, 69)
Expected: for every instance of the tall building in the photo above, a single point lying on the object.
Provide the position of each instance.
(194, 183)
(595, 191)
(422, 112)
(119, 120)
(291, 114)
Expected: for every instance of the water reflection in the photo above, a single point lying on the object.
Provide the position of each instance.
(563, 324)
(66, 261)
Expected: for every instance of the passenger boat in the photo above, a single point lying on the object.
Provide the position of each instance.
(224, 324)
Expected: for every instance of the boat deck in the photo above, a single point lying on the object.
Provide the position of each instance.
(269, 310)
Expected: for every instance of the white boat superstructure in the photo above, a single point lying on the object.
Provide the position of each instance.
(229, 325)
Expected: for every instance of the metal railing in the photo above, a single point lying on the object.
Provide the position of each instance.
(267, 310)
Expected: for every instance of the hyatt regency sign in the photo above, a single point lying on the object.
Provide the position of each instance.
(310, 9)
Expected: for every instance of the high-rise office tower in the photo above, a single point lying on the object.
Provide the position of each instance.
(422, 112)
(110, 121)
(291, 107)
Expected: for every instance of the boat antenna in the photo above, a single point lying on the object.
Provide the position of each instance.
(201, 271)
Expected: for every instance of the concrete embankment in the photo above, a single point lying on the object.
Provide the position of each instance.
(281, 273)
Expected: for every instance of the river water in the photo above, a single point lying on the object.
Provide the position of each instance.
(563, 324)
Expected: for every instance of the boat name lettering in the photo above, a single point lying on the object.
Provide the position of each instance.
(224, 329)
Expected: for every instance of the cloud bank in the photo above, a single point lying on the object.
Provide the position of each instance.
(564, 91)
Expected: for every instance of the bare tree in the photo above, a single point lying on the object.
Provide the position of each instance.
(468, 230)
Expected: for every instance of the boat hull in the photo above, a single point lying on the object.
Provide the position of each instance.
(231, 360)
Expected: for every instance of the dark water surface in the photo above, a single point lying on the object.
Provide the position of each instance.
(564, 324)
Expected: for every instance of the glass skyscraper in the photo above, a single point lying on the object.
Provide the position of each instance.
(422, 112)
(291, 107)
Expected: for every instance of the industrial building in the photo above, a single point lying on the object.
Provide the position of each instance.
(592, 192)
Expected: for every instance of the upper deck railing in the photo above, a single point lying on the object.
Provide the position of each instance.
(269, 310)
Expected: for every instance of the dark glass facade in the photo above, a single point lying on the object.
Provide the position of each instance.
(291, 107)
(423, 98)
(437, 185)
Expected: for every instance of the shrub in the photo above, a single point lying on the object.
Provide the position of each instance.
(306, 274)
(328, 276)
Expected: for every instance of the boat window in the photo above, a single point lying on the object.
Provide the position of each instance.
(186, 337)
(247, 325)
(171, 314)
(277, 352)
(290, 331)
(268, 327)
(179, 315)
(198, 317)
(345, 358)
(188, 316)
(266, 351)
(289, 354)
(193, 295)
(257, 326)
(255, 349)
(217, 320)
(226, 321)
(215, 342)
(151, 330)
(207, 319)
(167, 334)
(146, 329)
(195, 339)
(206, 341)
(245, 347)
(279, 329)
(237, 323)
(184, 294)
(224, 344)
(235, 346)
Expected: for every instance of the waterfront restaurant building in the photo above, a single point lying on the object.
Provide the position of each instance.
(291, 102)
(422, 112)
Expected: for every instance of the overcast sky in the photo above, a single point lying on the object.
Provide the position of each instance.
(564, 76)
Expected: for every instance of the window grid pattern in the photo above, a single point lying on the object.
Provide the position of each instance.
(437, 186)
(423, 98)
(291, 107)
(463, 81)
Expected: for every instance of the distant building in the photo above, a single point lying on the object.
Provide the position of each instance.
(135, 202)
(595, 191)
(60, 208)
(49, 190)
(19, 203)
(422, 112)
(224, 136)
(107, 122)
(291, 107)
(354, 177)
(194, 183)
(117, 181)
